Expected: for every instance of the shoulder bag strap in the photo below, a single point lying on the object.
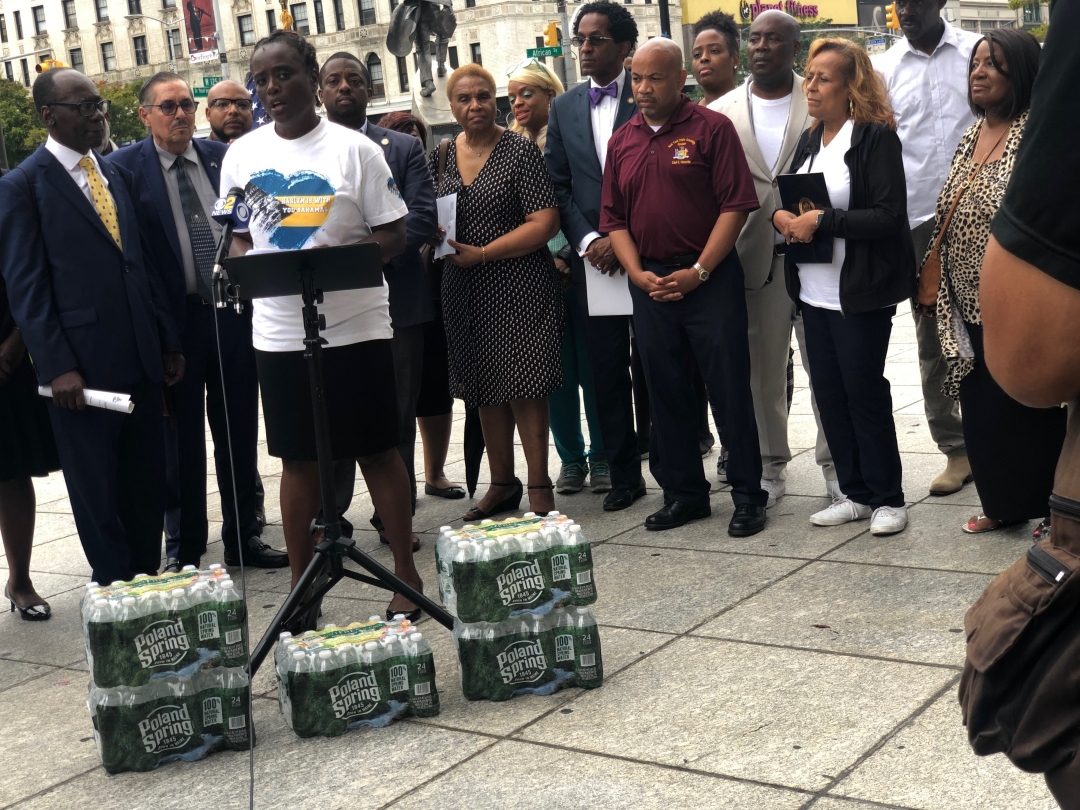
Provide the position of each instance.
(964, 187)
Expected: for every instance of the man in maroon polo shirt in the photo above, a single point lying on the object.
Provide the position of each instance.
(677, 191)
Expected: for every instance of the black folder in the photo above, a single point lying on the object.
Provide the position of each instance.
(800, 193)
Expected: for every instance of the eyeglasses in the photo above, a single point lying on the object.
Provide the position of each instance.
(242, 104)
(85, 108)
(524, 63)
(593, 39)
(169, 108)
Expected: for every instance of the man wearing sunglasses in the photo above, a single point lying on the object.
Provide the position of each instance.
(93, 313)
(228, 111)
(176, 184)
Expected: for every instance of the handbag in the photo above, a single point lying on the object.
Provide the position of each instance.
(434, 266)
(930, 272)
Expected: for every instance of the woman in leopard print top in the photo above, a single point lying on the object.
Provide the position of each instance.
(1013, 449)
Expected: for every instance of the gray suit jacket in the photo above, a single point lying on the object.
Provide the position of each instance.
(755, 243)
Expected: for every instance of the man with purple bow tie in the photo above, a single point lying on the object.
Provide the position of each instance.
(581, 122)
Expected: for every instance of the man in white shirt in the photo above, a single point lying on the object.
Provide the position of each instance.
(580, 125)
(769, 113)
(926, 74)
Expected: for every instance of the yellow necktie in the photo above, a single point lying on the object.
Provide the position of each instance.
(103, 201)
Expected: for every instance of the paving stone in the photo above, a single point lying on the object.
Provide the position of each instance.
(528, 777)
(13, 673)
(902, 613)
(930, 765)
(780, 716)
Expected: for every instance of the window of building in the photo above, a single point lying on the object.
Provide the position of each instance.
(102, 7)
(320, 18)
(3, 28)
(142, 55)
(25, 70)
(75, 59)
(374, 67)
(39, 19)
(367, 12)
(246, 26)
(18, 25)
(135, 8)
(70, 20)
(168, 3)
(474, 50)
(10, 73)
(1032, 15)
(300, 20)
(271, 20)
(176, 45)
(339, 15)
(403, 74)
(108, 56)
(470, 3)
(451, 57)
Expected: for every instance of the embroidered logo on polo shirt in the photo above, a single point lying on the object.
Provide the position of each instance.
(682, 150)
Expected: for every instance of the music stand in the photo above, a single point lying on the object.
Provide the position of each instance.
(312, 273)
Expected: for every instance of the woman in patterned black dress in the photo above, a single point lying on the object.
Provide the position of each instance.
(501, 299)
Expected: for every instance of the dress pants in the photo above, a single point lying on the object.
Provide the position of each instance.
(942, 412)
(710, 325)
(114, 468)
(199, 400)
(565, 404)
(846, 353)
(822, 454)
(608, 338)
(408, 349)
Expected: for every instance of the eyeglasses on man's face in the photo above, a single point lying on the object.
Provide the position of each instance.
(242, 104)
(85, 108)
(595, 40)
(169, 108)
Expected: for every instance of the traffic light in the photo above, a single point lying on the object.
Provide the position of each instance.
(890, 17)
(551, 34)
(49, 64)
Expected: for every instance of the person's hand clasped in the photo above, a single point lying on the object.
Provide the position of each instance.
(664, 288)
(173, 363)
(466, 256)
(796, 229)
(67, 391)
(12, 352)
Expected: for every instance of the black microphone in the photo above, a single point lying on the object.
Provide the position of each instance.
(230, 211)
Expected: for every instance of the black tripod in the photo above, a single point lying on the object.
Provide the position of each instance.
(315, 272)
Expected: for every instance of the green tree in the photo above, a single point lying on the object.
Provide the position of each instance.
(124, 115)
(23, 129)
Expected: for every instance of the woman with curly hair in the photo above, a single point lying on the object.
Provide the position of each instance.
(848, 303)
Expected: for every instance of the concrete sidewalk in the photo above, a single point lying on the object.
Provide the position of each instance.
(804, 667)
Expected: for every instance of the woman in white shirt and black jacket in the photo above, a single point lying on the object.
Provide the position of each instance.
(848, 304)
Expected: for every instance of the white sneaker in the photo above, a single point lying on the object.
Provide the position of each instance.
(832, 489)
(841, 512)
(776, 490)
(888, 520)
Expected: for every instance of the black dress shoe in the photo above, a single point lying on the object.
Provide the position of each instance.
(748, 519)
(676, 514)
(453, 493)
(172, 566)
(258, 554)
(622, 497)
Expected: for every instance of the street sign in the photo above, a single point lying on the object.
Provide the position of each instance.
(541, 53)
(200, 92)
(876, 45)
(210, 81)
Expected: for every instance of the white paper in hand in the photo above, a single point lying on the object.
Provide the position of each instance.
(448, 219)
(109, 400)
(608, 295)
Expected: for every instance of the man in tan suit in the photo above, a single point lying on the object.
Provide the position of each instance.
(769, 113)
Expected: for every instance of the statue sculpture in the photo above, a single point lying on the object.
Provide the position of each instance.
(412, 26)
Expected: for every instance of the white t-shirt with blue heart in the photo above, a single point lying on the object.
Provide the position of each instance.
(328, 188)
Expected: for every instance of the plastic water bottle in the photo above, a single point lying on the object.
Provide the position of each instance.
(397, 667)
(582, 587)
(231, 613)
(563, 625)
(423, 695)
(589, 662)
(282, 648)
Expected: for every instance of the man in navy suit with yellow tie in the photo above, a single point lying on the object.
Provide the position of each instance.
(93, 313)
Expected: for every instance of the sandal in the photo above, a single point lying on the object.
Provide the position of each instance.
(971, 527)
(508, 505)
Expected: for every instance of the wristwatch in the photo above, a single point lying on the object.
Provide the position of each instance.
(702, 273)
(819, 217)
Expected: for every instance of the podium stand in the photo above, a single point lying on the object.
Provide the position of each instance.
(310, 273)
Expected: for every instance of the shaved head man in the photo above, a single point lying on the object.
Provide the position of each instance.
(657, 76)
(228, 110)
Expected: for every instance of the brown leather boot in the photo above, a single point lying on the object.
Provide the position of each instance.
(957, 473)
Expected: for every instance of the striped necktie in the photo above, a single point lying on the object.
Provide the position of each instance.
(199, 232)
(102, 199)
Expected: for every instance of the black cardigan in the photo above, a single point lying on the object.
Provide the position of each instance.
(879, 263)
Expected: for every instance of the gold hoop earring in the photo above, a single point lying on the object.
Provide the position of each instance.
(851, 108)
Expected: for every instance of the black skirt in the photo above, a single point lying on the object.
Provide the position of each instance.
(27, 447)
(1013, 449)
(360, 395)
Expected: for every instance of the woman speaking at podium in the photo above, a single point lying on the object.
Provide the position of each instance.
(311, 184)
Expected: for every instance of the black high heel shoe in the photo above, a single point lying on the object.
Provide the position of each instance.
(508, 505)
(34, 613)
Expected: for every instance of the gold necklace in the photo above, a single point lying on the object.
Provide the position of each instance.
(479, 153)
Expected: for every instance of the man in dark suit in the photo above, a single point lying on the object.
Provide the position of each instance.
(93, 313)
(580, 123)
(176, 183)
(344, 85)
